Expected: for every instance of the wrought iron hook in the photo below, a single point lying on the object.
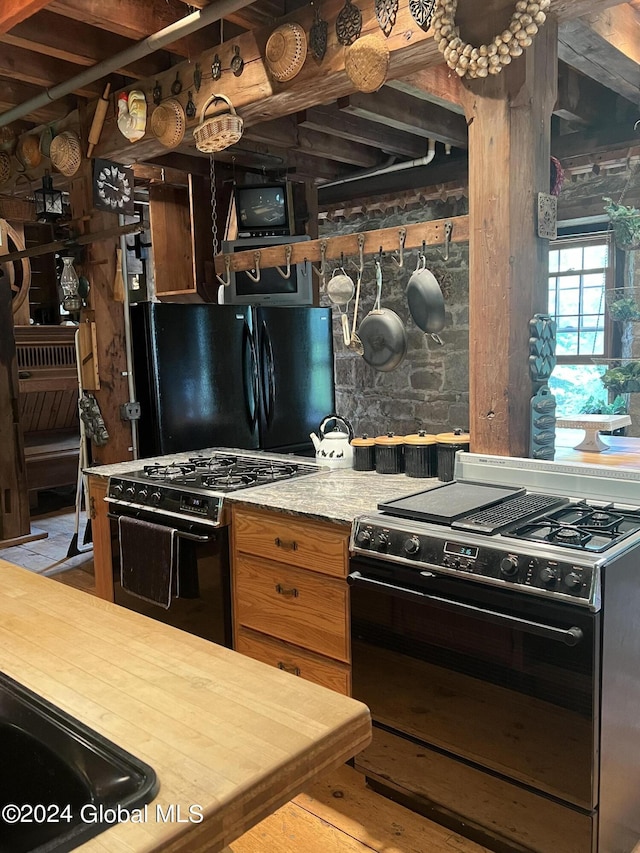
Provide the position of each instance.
(402, 236)
(227, 269)
(256, 261)
(448, 230)
(287, 257)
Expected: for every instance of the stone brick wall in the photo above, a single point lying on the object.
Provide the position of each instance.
(430, 389)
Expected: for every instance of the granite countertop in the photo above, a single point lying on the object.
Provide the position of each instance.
(338, 495)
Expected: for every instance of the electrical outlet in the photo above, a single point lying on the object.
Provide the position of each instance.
(130, 411)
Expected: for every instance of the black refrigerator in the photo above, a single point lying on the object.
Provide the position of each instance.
(231, 376)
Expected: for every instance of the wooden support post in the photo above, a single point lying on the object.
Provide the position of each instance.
(509, 119)
(14, 501)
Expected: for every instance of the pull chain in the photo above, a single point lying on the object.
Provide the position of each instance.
(214, 212)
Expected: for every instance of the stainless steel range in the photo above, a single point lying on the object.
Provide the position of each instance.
(193, 490)
(496, 639)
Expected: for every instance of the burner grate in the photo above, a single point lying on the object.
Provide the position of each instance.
(504, 515)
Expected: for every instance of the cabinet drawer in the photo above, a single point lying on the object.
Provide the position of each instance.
(297, 542)
(297, 661)
(291, 604)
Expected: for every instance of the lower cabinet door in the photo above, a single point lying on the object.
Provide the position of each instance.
(297, 661)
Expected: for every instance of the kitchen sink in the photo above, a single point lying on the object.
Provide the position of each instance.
(61, 783)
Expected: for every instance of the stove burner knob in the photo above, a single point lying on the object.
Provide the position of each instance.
(155, 497)
(130, 492)
(573, 581)
(382, 541)
(509, 566)
(117, 489)
(364, 538)
(142, 494)
(548, 576)
(411, 546)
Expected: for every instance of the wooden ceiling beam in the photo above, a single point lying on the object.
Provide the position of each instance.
(586, 50)
(14, 11)
(344, 126)
(136, 20)
(437, 84)
(76, 42)
(40, 70)
(583, 100)
(409, 115)
(593, 141)
(14, 92)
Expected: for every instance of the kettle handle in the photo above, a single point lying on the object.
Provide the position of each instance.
(339, 420)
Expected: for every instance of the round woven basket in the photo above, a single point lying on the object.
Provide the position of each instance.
(28, 151)
(367, 63)
(218, 132)
(168, 123)
(286, 51)
(65, 153)
(5, 167)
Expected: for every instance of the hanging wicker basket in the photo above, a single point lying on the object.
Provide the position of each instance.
(218, 132)
(65, 153)
(5, 167)
(286, 51)
(168, 123)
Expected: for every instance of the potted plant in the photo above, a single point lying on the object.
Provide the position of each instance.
(596, 406)
(624, 308)
(623, 379)
(625, 223)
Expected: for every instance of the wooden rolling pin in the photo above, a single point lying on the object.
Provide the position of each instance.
(118, 281)
(98, 120)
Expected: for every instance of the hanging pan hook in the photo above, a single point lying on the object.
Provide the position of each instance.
(227, 272)
(402, 236)
(448, 230)
(256, 264)
(287, 257)
(323, 262)
(422, 257)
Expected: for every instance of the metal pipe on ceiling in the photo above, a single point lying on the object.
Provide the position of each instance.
(156, 41)
(389, 167)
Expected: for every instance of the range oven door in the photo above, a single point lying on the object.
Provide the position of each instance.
(484, 704)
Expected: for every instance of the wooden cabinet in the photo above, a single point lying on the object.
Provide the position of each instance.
(290, 595)
(101, 532)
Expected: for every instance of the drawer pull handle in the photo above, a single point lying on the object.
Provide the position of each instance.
(281, 590)
(288, 667)
(286, 545)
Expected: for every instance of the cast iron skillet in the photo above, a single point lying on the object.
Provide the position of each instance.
(382, 334)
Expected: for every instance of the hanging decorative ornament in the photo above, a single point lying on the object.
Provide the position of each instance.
(237, 62)
(190, 109)
(386, 11)
(197, 77)
(348, 23)
(157, 93)
(469, 61)
(422, 12)
(216, 68)
(318, 35)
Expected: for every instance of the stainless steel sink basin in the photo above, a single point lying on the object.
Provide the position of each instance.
(61, 783)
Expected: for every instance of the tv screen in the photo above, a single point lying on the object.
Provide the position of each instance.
(262, 209)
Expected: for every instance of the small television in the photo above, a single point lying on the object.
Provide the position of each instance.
(272, 288)
(264, 210)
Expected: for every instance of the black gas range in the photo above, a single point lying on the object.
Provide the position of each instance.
(194, 489)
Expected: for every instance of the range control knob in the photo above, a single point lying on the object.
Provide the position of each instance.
(411, 546)
(548, 576)
(363, 537)
(155, 497)
(143, 493)
(117, 489)
(509, 566)
(573, 581)
(130, 492)
(382, 541)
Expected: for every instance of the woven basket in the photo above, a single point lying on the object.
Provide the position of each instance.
(286, 51)
(65, 153)
(367, 63)
(5, 167)
(168, 123)
(219, 132)
(28, 151)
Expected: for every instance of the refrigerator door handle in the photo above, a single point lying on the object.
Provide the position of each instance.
(249, 348)
(267, 354)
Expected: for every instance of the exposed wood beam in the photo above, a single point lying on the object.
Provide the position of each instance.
(13, 92)
(40, 70)
(409, 115)
(620, 26)
(592, 141)
(436, 84)
(135, 20)
(583, 100)
(14, 11)
(586, 50)
(344, 126)
(74, 41)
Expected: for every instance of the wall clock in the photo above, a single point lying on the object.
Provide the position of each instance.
(112, 187)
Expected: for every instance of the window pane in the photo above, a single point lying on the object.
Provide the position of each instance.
(570, 259)
(569, 297)
(552, 302)
(567, 343)
(554, 260)
(593, 300)
(575, 385)
(594, 279)
(596, 256)
(591, 343)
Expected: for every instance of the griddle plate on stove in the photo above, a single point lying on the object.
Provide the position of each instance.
(450, 501)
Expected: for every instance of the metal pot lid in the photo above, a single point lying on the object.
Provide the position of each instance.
(384, 339)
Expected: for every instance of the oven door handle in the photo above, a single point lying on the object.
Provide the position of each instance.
(182, 534)
(569, 636)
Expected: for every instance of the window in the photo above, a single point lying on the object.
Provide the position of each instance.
(580, 273)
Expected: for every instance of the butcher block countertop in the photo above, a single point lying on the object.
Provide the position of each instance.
(224, 732)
